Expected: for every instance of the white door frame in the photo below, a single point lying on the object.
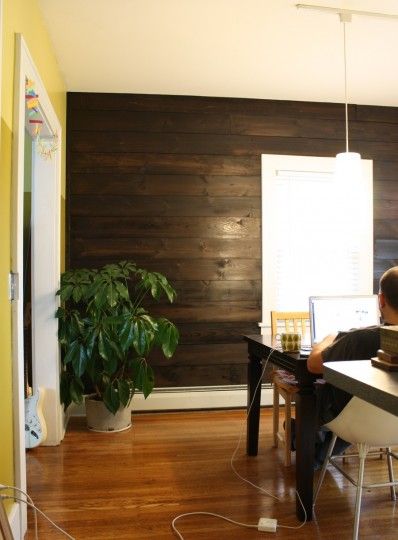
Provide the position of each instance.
(46, 182)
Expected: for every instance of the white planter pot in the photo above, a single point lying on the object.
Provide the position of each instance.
(100, 419)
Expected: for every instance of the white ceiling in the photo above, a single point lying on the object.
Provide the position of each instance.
(237, 48)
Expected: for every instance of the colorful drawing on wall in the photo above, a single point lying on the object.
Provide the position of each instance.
(45, 147)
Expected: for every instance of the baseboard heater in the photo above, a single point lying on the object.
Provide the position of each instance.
(190, 398)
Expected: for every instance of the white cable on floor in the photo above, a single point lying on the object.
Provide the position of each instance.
(207, 514)
(173, 526)
(242, 432)
(13, 497)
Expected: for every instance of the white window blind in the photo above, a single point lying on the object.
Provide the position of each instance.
(317, 232)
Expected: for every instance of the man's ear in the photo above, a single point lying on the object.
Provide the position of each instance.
(382, 300)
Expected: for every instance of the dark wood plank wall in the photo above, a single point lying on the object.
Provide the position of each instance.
(173, 182)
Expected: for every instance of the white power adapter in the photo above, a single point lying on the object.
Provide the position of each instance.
(267, 524)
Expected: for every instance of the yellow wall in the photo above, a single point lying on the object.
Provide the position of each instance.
(19, 16)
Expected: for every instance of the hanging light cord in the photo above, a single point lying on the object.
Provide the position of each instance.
(345, 90)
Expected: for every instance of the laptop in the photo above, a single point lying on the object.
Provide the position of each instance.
(332, 314)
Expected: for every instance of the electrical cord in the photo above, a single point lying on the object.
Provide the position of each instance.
(207, 514)
(3, 487)
(242, 432)
(271, 524)
(35, 508)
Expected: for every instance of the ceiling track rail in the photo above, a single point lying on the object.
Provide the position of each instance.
(347, 13)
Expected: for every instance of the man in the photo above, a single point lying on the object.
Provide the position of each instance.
(359, 344)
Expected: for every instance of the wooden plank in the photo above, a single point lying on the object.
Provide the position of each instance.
(124, 148)
(377, 114)
(78, 101)
(216, 144)
(167, 184)
(156, 226)
(117, 205)
(148, 121)
(160, 248)
(385, 190)
(385, 209)
(197, 269)
(205, 311)
(311, 128)
(385, 228)
(220, 332)
(386, 249)
(212, 375)
(203, 354)
(385, 170)
(218, 291)
(164, 164)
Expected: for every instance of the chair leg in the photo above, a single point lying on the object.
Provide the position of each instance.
(362, 451)
(390, 474)
(323, 470)
(288, 431)
(275, 415)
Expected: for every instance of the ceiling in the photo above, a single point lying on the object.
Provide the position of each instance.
(232, 48)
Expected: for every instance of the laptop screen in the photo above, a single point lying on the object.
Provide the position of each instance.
(332, 314)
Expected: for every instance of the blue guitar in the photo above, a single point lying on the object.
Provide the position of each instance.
(35, 427)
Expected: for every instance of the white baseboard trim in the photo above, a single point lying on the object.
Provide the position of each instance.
(190, 398)
(14, 517)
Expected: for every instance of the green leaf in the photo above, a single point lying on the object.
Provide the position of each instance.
(145, 378)
(125, 391)
(103, 346)
(109, 351)
(111, 365)
(168, 337)
(122, 290)
(126, 335)
(111, 399)
(76, 390)
(79, 360)
(64, 389)
(101, 295)
(66, 292)
(91, 340)
(71, 389)
(77, 294)
(73, 350)
(112, 295)
(144, 328)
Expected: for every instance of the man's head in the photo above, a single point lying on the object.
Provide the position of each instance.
(388, 295)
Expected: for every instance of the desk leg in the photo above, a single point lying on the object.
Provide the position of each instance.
(254, 371)
(305, 447)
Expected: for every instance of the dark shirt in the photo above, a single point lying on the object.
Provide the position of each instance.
(359, 344)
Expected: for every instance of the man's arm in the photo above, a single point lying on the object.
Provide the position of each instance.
(315, 359)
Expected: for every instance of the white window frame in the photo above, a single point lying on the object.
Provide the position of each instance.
(271, 165)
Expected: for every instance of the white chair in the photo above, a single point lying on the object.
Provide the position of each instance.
(365, 425)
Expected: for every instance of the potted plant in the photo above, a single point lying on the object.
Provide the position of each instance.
(106, 335)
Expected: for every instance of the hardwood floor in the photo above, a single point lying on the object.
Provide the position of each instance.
(131, 485)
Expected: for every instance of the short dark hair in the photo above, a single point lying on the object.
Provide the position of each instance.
(389, 286)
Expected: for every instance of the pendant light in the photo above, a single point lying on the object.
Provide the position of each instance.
(348, 164)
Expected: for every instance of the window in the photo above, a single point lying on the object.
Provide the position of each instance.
(317, 231)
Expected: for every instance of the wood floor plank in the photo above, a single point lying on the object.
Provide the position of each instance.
(131, 485)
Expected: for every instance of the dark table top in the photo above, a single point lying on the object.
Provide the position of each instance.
(361, 379)
(265, 347)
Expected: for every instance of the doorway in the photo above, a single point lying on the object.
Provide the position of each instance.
(42, 156)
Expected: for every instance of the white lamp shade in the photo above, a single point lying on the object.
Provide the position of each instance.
(348, 167)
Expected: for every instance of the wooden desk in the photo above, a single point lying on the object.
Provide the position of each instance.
(259, 347)
(361, 379)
